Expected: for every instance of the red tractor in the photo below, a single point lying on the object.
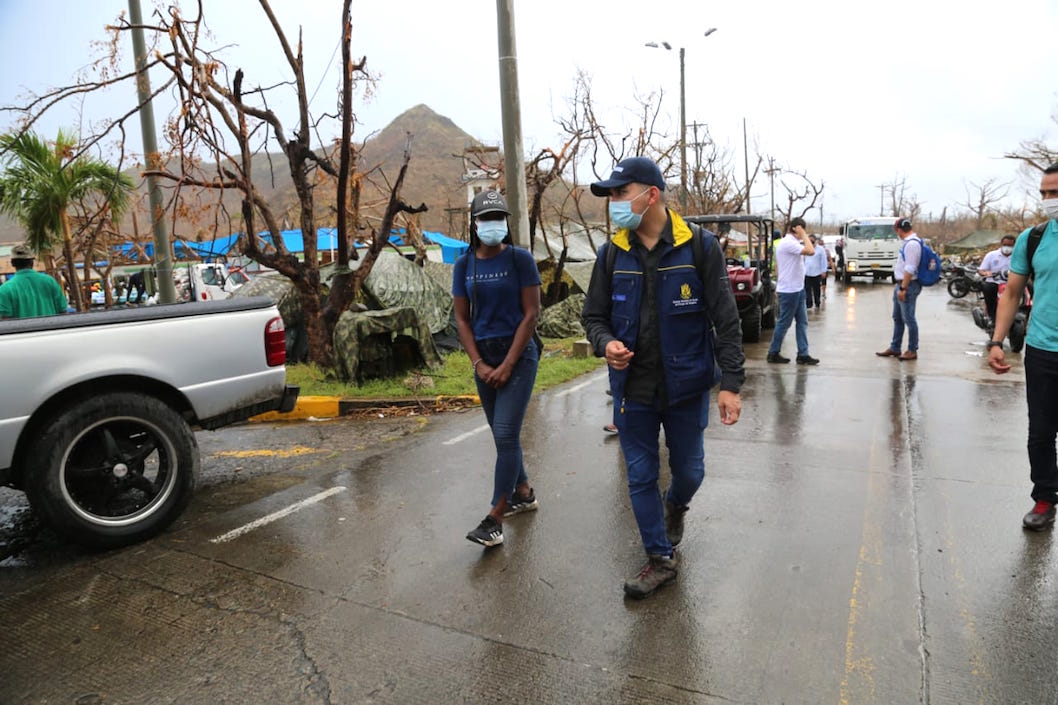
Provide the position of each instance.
(747, 240)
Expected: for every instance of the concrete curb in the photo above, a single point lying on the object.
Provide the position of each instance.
(330, 407)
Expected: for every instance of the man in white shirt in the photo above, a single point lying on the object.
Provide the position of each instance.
(905, 293)
(994, 268)
(815, 269)
(790, 288)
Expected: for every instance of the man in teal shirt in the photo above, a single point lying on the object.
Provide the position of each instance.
(1041, 350)
(29, 293)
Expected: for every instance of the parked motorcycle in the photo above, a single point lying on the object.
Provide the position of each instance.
(964, 280)
(1018, 327)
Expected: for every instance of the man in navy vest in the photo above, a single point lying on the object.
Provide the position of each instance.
(652, 316)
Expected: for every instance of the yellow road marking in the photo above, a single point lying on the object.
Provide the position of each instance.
(282, 453)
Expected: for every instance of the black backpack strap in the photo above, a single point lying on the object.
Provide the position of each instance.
(1035, 235)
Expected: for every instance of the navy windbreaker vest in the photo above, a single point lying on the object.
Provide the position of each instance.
(683, 322)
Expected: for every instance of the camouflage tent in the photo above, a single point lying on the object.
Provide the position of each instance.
(382, 343)
(281, 291)
(397, 282)
(580, 273)
(440, 273)
(977, 240)
(563, 319)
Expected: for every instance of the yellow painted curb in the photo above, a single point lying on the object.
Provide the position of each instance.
(306, 407)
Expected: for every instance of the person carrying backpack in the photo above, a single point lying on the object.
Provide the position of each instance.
(905, 293)
(651, 309)
(1035, 257)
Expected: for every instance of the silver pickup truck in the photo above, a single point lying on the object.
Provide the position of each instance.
(97, 409)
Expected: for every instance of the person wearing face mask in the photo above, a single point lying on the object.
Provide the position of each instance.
(658, 290)
(1035, 256)
(994, 268)
(496, 291)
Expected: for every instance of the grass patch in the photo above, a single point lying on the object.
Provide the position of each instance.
(454, 378)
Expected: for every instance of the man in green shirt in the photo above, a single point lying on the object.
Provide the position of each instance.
(29, 293)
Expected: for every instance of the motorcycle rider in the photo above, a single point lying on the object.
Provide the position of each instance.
(994, 268)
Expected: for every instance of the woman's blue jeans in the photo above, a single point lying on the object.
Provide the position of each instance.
(904, 315)
(791, 308)
(638, 426)
(505, 411)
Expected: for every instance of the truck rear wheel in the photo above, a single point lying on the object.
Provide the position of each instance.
(751, 324)
(113, 469)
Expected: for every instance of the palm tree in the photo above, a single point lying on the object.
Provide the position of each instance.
(41, 181)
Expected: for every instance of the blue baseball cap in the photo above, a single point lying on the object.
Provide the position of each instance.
(634, 170)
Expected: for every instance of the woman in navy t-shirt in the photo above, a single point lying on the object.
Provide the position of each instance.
(496, 287)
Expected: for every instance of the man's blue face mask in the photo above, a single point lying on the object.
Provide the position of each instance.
(621, 213)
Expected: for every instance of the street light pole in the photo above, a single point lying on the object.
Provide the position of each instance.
(683, 136)
(683, 118)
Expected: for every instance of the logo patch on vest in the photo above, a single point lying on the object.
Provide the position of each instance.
(685, 297)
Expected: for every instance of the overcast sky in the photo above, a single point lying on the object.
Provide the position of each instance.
(855, 94)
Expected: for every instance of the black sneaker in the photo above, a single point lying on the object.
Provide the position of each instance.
(659, 570)
(674, 522)
(807, 360)
(777, 358)
(518, 504)
(488, 533)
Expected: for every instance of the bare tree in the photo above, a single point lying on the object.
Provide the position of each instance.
(802, 194)
(983, 201)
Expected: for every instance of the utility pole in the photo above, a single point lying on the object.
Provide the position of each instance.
(163, 257)
(881, 200)
(771, 171)
(745, 162)
(513, 155)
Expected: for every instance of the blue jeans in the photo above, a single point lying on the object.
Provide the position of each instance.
(904, 315)
(791, 307)
(505, 411)
(1041, 393)
(638, 426)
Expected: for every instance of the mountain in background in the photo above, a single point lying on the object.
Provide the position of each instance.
(434, 177)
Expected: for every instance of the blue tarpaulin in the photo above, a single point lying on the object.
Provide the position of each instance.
(326, 240)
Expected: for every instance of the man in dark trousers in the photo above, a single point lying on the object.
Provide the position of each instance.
(1041, 349)
(650, 315)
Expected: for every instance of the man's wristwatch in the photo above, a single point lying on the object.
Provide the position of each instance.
(995, 344)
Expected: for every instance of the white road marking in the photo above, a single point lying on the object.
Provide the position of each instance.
(576, 388)
(257, 523)
(464, 436)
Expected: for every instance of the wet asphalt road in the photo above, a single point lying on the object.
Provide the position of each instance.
(857, 540)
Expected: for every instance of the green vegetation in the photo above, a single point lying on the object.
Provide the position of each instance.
(454, 378)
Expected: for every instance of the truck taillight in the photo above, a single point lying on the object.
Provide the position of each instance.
(275, 340)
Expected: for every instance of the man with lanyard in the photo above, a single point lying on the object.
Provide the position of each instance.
(650, 310)
(1041, 349)
(905, 293)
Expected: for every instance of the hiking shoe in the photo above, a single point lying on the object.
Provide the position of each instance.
(518, 504)
(1041, 516)
(807, 360)
(777, 358)
(674, 522)
(659, 570)
(488, 533)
